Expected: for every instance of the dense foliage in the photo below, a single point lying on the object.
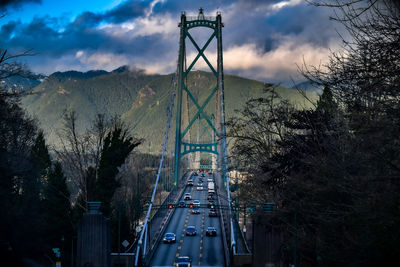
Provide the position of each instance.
(34, 199)
(334, 168)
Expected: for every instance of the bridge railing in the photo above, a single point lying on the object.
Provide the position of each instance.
(161, 218)
(224, 215)
(142, 242)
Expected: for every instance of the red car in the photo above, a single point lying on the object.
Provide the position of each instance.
(212, 213)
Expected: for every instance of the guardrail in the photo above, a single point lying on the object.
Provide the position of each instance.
(154, 243)
(223, 227)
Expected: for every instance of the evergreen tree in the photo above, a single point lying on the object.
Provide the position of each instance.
(40, 156)
(57, 206)
(117, 146)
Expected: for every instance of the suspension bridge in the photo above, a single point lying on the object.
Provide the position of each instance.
(199, 144)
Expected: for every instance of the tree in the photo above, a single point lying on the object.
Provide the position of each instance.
(57, 206)
(254, 133)
(336, 166)
(118, 144)
(80, 153)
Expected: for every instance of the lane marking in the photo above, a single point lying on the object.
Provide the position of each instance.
(179, 247)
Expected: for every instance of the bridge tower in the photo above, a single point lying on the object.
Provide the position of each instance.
(213, 130)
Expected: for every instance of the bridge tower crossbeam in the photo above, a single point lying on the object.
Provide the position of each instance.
(210, 123)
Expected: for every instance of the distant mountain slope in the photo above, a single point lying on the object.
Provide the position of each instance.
(140, 100)
(21, 84)
(308, 87)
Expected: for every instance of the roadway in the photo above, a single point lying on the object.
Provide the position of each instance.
(203, 250)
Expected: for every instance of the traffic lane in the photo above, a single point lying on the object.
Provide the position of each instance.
(212, 252)
(166, 253)
(191, 244)
(213, 246)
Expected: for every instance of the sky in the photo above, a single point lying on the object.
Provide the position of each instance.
(262, 39)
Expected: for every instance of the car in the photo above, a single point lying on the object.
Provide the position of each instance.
(202, 175)
(210, 203)
(187, 196)
(211, 231)
(191, 230)
(181, 204)
(190, 182)
(183, 261)
(196, 203)
(196, 211)
(201, 180)
(200, 183)
(209, 173)
(169, 238)
(209, 179)
(199, 188)
(210, 197)
(212, 213)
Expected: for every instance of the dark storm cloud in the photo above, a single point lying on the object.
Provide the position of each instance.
(125, 11)
(7, 29)
(4, 4)
(94, 36)
(44, 35)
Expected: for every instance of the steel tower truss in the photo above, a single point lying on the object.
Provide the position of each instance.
(209, 124)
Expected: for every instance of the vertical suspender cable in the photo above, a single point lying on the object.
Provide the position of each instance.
(171, 107)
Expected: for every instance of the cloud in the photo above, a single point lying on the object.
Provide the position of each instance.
(101, 60)
(283, 4)
(261, 39)
(280, 63)
(276, 64)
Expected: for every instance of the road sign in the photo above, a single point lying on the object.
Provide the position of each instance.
(57, 252)
(268, 207)
(125, 243)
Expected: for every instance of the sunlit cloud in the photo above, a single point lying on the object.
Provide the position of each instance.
(288, 3)
(284, 60)
(163, 24)
(101, 60)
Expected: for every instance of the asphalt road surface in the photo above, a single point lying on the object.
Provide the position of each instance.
(203, 250)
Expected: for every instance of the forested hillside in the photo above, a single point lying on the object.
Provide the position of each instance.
(141, 100)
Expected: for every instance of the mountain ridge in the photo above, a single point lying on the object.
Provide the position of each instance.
(141, 100)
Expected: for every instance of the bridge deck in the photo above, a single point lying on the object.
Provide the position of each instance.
(203, 250)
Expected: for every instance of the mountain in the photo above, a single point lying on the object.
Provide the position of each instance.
(141, 100)
(308, 87)
(21, 84)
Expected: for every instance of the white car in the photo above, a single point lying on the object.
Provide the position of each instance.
(196, 203)
(199, 188)
(187, 196)
(209, 179)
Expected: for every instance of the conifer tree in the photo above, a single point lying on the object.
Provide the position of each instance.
(117, 146)
(57, 205)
